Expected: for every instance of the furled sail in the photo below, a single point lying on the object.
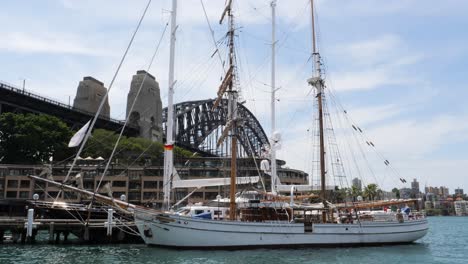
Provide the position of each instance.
(75, 141)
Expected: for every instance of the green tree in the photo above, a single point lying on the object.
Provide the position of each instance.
(31, 138)
(396, 192)
(371, 191)
(341, 194)
(355, 192)
(129, 150)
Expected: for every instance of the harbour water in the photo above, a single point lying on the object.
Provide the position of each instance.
(446, 242)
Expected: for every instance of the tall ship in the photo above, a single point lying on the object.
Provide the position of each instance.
(259, 218)
(268, 221)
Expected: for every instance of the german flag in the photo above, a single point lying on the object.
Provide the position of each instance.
(168, 147)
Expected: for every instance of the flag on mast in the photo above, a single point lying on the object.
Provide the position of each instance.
(78, 137)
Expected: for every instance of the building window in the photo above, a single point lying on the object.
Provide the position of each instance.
(4, 172)
(14, 172)
(88, 185)
(12, 184)
(134, 196)
(24, 184)
(134, 185)
(24, 195)
(11, 194)
(118, 194)
(149, 195)
(119, 184)
(150, 184)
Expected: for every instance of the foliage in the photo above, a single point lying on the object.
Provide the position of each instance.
(371, 191)
(340, 194)
(355, 192)
(129, 150)
(433, 212)
(396, 192)
(32, 139)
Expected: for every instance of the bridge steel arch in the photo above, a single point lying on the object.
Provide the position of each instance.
(197, 127)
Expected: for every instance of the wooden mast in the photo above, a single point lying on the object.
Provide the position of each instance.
(317, 82)
(232, 112)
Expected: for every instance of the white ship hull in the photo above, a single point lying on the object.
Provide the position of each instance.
(184, 232)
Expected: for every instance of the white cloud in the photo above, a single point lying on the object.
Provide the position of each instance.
(418, 138)
(48, 43)
(369, 115)
(376, 62)
(371, 51)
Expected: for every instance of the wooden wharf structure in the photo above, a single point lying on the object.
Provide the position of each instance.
(95, 231)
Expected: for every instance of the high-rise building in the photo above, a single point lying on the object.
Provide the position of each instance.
(441, 191)
(444, 191)
(458, 191)
(357, 183)
(415, 188)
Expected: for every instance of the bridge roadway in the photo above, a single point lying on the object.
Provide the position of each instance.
(17, 100)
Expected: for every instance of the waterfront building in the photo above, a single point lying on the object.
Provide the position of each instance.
(427, 204)
(388, 195)
(430, 197)
(142, 184)
(461, 208)
(405, 193)
(357, 183)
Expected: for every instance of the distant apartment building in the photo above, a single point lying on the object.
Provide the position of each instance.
(459, 191)
(430, 197)
(388, 195)
(461, 208)
(415, 188)
(142, 184)
(357, 183)
(441, 191)
(427, 204)
(405, 193)
(444, 191)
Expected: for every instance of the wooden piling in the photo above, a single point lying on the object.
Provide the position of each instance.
(51, 232)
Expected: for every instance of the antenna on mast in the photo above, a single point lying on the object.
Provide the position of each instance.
(314, 44)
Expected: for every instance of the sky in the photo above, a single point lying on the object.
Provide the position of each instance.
(397, 67)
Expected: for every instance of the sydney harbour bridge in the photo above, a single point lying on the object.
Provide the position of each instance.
(197, 127)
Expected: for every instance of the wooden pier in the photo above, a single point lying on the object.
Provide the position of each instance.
(95, 231)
